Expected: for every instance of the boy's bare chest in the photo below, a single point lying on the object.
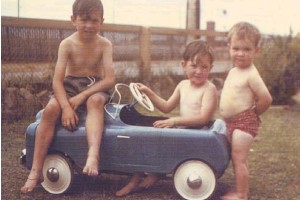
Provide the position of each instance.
(236, 81)
(192, 97)
(85, 57)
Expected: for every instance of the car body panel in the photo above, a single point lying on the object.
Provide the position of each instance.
(136, 146)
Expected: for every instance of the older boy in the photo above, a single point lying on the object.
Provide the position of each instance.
(84, 71)
(196, 96)
(243, 99)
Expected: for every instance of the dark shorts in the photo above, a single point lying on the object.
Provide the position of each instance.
(246, 121)
(75, 85)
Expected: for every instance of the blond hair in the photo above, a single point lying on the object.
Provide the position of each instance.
(245, 30)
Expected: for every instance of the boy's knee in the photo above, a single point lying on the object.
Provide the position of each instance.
(96, 100)
(52, 109)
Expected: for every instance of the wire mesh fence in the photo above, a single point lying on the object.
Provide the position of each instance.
(29, 46)
(29, 52)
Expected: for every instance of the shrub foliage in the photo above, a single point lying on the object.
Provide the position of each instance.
(279, 65)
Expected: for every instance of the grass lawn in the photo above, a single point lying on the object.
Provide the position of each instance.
(274, 166)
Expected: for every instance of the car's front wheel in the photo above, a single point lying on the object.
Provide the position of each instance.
(58, 174)
(194, 179)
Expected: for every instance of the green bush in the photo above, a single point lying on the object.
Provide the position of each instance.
(279, 64)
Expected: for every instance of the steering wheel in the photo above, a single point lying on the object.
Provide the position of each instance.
(141, 97)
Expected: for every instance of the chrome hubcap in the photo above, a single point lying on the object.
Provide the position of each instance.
(194, 181)
(52, 174)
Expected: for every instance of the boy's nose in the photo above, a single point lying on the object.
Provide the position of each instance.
(241, 53)
(199, 70)
(89, 24)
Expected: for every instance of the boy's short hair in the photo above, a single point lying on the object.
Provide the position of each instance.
(84, 7)
(198, 47)
(245, 30)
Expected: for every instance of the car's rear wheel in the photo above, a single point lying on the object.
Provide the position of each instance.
(58, 174)
(194, 179)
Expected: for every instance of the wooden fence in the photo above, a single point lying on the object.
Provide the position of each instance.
(37, 40)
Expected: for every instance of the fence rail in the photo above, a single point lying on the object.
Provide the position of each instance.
(37, 40)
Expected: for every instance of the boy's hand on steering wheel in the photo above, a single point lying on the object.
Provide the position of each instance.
(142, 87)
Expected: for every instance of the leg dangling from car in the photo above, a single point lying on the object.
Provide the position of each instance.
(94, 131)
(149, 181)
(132, 186)
(43, 138)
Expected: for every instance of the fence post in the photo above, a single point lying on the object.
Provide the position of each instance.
(145, 54)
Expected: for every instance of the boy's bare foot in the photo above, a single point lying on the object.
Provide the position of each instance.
(233, 196)
(32, 181)
(129, 188)
(91, 166)
(150, 180)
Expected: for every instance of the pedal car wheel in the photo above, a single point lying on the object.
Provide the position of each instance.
(194, 180)
(141, 97)
(58, 174)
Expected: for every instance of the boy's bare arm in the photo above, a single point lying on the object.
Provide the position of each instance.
(59, 74)
(262, 95)
(163, 105)
(69, 118)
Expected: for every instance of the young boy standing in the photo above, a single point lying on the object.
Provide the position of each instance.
(244, 97)
(196, 97)
(83, 73)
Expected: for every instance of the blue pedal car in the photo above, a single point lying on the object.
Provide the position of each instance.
(195, 158)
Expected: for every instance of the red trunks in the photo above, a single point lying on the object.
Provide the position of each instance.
(246, 121)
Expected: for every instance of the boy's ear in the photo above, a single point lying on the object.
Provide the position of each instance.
(257, 50)
(256, 53)
(73, 18)
(228, 45)
(183, 64)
